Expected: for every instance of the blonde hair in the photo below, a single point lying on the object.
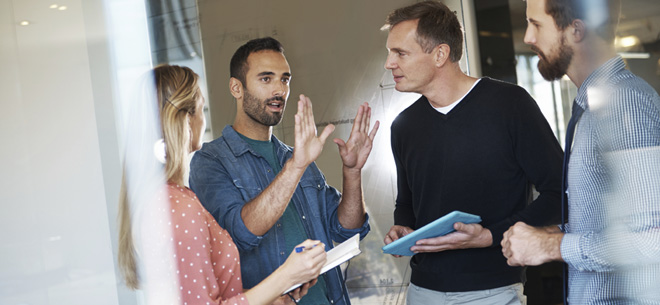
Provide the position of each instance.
(176, 93)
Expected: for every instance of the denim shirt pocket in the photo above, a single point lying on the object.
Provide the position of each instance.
(247, 188)
(313, 188)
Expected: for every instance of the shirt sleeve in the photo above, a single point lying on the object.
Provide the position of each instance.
(403, 210)
(331, 197)
(540, 157)
(628, 134)
(207, 268)
(215, 188)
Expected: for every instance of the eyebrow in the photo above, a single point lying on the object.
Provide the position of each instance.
(397, 50)
(267, 73)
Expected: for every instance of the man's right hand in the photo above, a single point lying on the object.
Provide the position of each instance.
(395, 233)
(524, 245)
(307, 146)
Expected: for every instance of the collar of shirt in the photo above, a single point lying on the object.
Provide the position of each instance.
(603, 73)
(239, 147)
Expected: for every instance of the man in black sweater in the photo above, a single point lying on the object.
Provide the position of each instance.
(474, 145)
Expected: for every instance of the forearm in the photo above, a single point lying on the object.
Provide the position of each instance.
(269, 289)
(351, 210)
(261, 213)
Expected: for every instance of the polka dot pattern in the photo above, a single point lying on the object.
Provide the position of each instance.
(208, 268)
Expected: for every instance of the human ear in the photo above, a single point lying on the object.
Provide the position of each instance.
(441, 54)
(577, 30)
(236, 88)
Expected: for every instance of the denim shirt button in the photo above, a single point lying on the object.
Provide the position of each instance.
(303, 217)
(332, 301)
(282, 253)
(279, 225)
(318, 186)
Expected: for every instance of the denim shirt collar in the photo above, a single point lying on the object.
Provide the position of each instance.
(239, 147)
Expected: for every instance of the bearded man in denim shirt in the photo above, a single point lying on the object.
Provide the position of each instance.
(269, 196)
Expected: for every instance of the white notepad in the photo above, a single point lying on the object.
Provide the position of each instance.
(337, 255)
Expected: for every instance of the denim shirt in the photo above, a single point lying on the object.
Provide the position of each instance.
(226, 174)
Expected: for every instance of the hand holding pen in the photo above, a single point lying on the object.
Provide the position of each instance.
(304, 265)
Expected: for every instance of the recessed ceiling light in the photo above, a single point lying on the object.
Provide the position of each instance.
(53, 6)
(24, 22)
(61, 8)
(635, 55)
(626, 42)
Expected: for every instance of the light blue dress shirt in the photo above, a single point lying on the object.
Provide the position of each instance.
(612, 240)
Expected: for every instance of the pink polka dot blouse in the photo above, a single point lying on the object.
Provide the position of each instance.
(209, 268)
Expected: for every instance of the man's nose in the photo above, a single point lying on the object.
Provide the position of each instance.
(529, 36)
(389, 62)
(280, 89)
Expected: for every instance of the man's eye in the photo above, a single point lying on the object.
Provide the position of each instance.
(286, 80)
(265, 79)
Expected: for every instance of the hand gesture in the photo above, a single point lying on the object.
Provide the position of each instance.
(395, 233)
(466, 236)
(355, 151)
(524, 245)
(308, 146)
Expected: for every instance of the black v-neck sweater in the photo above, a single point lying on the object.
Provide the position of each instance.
(482, 158)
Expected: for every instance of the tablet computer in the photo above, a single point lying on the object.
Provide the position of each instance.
(441, 226)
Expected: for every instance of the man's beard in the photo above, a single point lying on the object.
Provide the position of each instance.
(256, 110)
(555, 68)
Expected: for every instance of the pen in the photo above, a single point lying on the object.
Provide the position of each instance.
(302, 248)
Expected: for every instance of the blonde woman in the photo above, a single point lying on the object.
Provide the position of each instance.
(169, 245)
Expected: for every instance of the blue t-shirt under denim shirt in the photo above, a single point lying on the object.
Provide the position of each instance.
(294, 232)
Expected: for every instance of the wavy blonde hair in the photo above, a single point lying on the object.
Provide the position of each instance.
(176, 92)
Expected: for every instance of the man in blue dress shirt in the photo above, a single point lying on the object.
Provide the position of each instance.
(611, 242)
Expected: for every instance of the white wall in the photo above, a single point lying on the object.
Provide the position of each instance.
(62, 78)
(59, 158)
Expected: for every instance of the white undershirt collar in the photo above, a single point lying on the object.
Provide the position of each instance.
(446, 109)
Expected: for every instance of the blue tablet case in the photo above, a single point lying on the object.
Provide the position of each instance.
(441, 226)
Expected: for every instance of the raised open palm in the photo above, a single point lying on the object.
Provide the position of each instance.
(308, 146)
(355, 151)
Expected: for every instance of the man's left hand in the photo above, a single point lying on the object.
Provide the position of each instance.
(355, 151)
(466, 236)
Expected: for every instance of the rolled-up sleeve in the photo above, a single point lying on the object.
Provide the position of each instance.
(219, 194)
(332, 197)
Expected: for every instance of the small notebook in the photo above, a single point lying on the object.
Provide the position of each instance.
(337, 255)
(438, 227)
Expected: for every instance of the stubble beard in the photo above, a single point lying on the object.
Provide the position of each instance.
(256, 109)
